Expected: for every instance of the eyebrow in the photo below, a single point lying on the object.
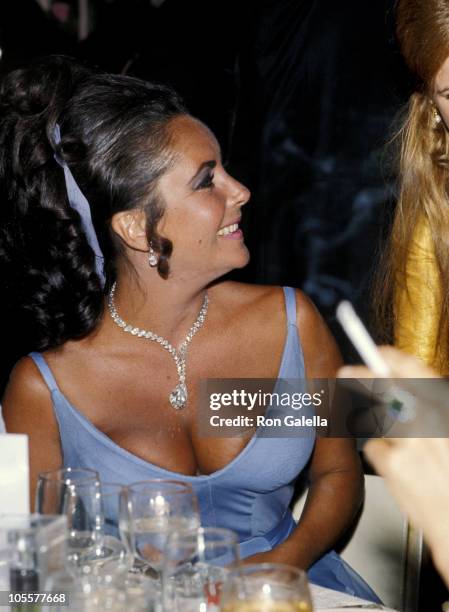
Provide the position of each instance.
(207, 164)
(443, 91)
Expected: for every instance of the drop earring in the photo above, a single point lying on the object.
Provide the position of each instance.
(436, 118)
(152, 257)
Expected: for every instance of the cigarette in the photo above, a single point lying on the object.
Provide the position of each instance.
(357, 333)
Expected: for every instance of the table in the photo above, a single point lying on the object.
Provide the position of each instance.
(329, 600)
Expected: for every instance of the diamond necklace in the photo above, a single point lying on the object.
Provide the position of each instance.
(177, 397)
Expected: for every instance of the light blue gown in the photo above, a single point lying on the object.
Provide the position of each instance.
(250, 495)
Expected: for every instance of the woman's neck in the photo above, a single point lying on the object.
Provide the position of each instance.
(168, 308)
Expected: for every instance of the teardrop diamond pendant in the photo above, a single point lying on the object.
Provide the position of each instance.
(178, 397)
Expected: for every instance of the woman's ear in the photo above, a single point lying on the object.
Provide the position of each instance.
(131, 226)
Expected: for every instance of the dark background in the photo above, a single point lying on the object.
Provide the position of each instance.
(301, 95)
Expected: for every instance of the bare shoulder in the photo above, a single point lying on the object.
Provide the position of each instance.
(26, 378)
(261, 299)
(270, 301)
(27, 408)
(27, 400)
(263, 308)
(308, 318)
(321, 353)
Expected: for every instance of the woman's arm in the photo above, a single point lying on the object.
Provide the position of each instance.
(28, 409)
(335, 474)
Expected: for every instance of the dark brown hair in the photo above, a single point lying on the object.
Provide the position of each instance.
(115, 139)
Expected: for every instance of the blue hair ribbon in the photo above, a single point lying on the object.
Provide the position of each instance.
(78, 202)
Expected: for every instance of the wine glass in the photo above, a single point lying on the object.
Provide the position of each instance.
(113, 558)
(48, 488)
(266, 587)
(75, 493)
(151, 510)
(104, 578)
(197, 563)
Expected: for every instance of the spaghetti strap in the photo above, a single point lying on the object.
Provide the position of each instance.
(290, 305)
(45, 371)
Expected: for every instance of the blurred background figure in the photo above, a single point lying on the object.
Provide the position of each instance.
(412, 292)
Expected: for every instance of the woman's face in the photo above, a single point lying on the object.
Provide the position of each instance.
(441, 92)
(202, 206)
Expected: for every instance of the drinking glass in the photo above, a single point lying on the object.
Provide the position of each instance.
(110, 561)
(32, 548)
(151, 510)
(266, 587)
(197, 563)
(75, 493)
(111, 493)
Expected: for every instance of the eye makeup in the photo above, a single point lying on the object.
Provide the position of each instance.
(206, 182)
(204, 176)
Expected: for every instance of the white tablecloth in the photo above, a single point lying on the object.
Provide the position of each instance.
(328, 600)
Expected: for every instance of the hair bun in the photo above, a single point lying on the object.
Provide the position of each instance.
(34, 90)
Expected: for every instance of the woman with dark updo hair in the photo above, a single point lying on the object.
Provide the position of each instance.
(117, 221)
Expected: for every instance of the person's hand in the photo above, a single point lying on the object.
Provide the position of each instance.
(416, 470)
(417, 473)
(400, 364)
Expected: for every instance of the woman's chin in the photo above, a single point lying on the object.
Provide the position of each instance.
(243, 259)
(235, 264)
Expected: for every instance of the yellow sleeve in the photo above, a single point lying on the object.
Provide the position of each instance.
(417, 304)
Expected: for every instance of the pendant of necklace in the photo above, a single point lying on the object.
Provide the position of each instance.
(178, 396)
